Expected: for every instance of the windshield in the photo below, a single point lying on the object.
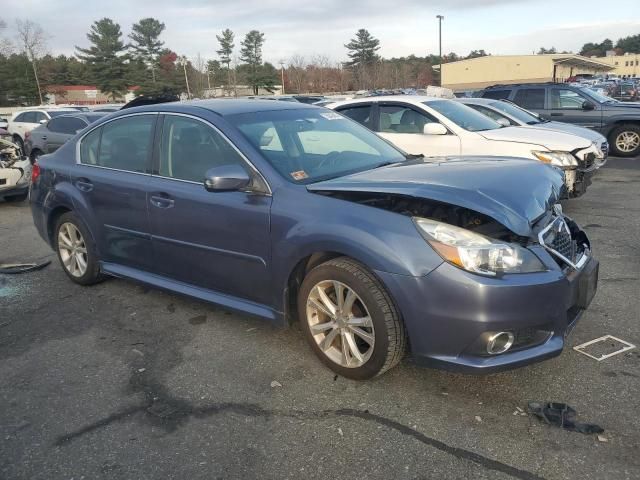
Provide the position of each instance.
(463, 116)
(516, 112)
(310, 145)
(596, 96)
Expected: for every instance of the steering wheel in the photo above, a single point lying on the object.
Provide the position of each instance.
(329, 160)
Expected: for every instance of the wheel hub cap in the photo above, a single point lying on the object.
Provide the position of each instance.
(72, 250)
(340, 324)
(628, 141)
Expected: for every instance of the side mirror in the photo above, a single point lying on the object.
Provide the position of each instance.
(434, 129)
(587, 105)
(42, 122)
(504, 122)
(226, 178)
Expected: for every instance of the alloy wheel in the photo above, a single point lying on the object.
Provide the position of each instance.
(72, 249)
(628, 141)
(340, 323)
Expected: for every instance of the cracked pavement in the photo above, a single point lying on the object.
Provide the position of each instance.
(120, 381)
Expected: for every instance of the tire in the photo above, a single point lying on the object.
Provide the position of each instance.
(17, 198)
(624, 141)
(91, 273)
(377, 354)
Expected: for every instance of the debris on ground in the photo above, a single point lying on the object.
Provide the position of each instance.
(13, 268)
(602, 438)
(275, 384)
(604, 347)
(563, 416)
(478, 418)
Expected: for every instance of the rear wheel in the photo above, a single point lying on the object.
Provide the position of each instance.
(349, 320)
(76, 251)
(625, 140)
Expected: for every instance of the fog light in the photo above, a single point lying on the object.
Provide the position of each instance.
(499, 343)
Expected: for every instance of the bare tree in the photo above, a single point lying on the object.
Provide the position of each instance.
(5, 44)
(33, 41)
(297, 73)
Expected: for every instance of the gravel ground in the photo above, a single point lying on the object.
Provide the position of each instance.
(118, 381)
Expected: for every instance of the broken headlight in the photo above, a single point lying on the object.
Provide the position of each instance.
(477, 253)
(562, 160)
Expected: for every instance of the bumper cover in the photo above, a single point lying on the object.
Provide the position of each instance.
(447, 311)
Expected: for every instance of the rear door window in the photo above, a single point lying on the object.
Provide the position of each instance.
(360, 113)
(29, 117)
(531, 98)
(123, 144)
(67, 125)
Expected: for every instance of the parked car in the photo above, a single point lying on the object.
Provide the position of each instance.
(4, 123)
(288, 211)
(441, 127)
(619, 122)
(510, 114)
(48, 137)
(107, 108)
(625, 92)
(15, 171)
(26, 120)
(309, 98)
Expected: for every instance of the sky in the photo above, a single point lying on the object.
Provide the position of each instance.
(307, 28)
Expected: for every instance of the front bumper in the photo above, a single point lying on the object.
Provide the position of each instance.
(447, 311)
(14, 180)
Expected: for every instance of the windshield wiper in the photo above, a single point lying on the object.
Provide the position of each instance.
(413, 156)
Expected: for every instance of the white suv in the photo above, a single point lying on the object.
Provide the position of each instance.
(441, 127)
(24, 121)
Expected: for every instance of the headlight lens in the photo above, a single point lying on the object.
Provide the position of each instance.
(476, 253)
(557, 159)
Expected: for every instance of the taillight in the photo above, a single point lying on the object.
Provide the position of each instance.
(35, 172)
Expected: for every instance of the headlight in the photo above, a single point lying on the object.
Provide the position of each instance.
(557, 159)
(476, 253)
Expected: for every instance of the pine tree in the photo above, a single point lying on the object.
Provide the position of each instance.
(226, 51)
(105, 57)
(147, 45)
(362, 49)
(251, 54)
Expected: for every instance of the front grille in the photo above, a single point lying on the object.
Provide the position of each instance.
(558, 239)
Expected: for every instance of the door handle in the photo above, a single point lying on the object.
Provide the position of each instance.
(162, 201)
(84, 185)
(44, 137)
(556, 114)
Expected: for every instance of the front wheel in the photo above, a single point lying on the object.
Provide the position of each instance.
(625, 140)
(350, 320)
(76, 251)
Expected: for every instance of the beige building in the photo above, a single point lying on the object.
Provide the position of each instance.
(481, 72)
(627, 65)
(83, 95)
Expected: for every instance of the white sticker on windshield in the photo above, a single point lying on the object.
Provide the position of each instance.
(331, 116)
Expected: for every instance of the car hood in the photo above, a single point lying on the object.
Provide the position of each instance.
(547, 138)
(622, 106)
(583, 132)
(514, 192)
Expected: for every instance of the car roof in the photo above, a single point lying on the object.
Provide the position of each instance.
(84, 115)
(477, 101)
(412, 99)
(222, 107)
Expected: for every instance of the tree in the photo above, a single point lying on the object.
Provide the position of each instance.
(362, 49)
(544, 51)
(5, 45)
(477, 54)
(596, 49)
(629, 44)
(147, 45)
(251, 54)
(297, 74)
(32, 41)
(226, 51)
(105, 57)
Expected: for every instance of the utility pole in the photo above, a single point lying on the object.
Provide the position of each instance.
(282, 76)
(440, 18)
(183, 61)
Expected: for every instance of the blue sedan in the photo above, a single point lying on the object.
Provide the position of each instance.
(291, 212)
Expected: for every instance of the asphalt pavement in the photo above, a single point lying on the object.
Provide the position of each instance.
(120, 381)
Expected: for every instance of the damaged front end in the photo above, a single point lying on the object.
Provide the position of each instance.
(15, 171)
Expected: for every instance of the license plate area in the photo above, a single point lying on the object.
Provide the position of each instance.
(588, 284)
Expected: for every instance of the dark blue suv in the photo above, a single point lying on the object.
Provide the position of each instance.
(293, 212)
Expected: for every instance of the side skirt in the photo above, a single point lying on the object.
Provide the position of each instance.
(228, 301)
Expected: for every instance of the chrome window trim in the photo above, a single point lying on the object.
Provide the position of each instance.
(81, 139)
(577, 265)
(251, 166)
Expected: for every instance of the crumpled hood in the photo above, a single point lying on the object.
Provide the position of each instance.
(514, 192)
(550, 139)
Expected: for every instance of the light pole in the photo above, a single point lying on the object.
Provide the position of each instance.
(282, 76)
(183, 61)
(440, 18)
